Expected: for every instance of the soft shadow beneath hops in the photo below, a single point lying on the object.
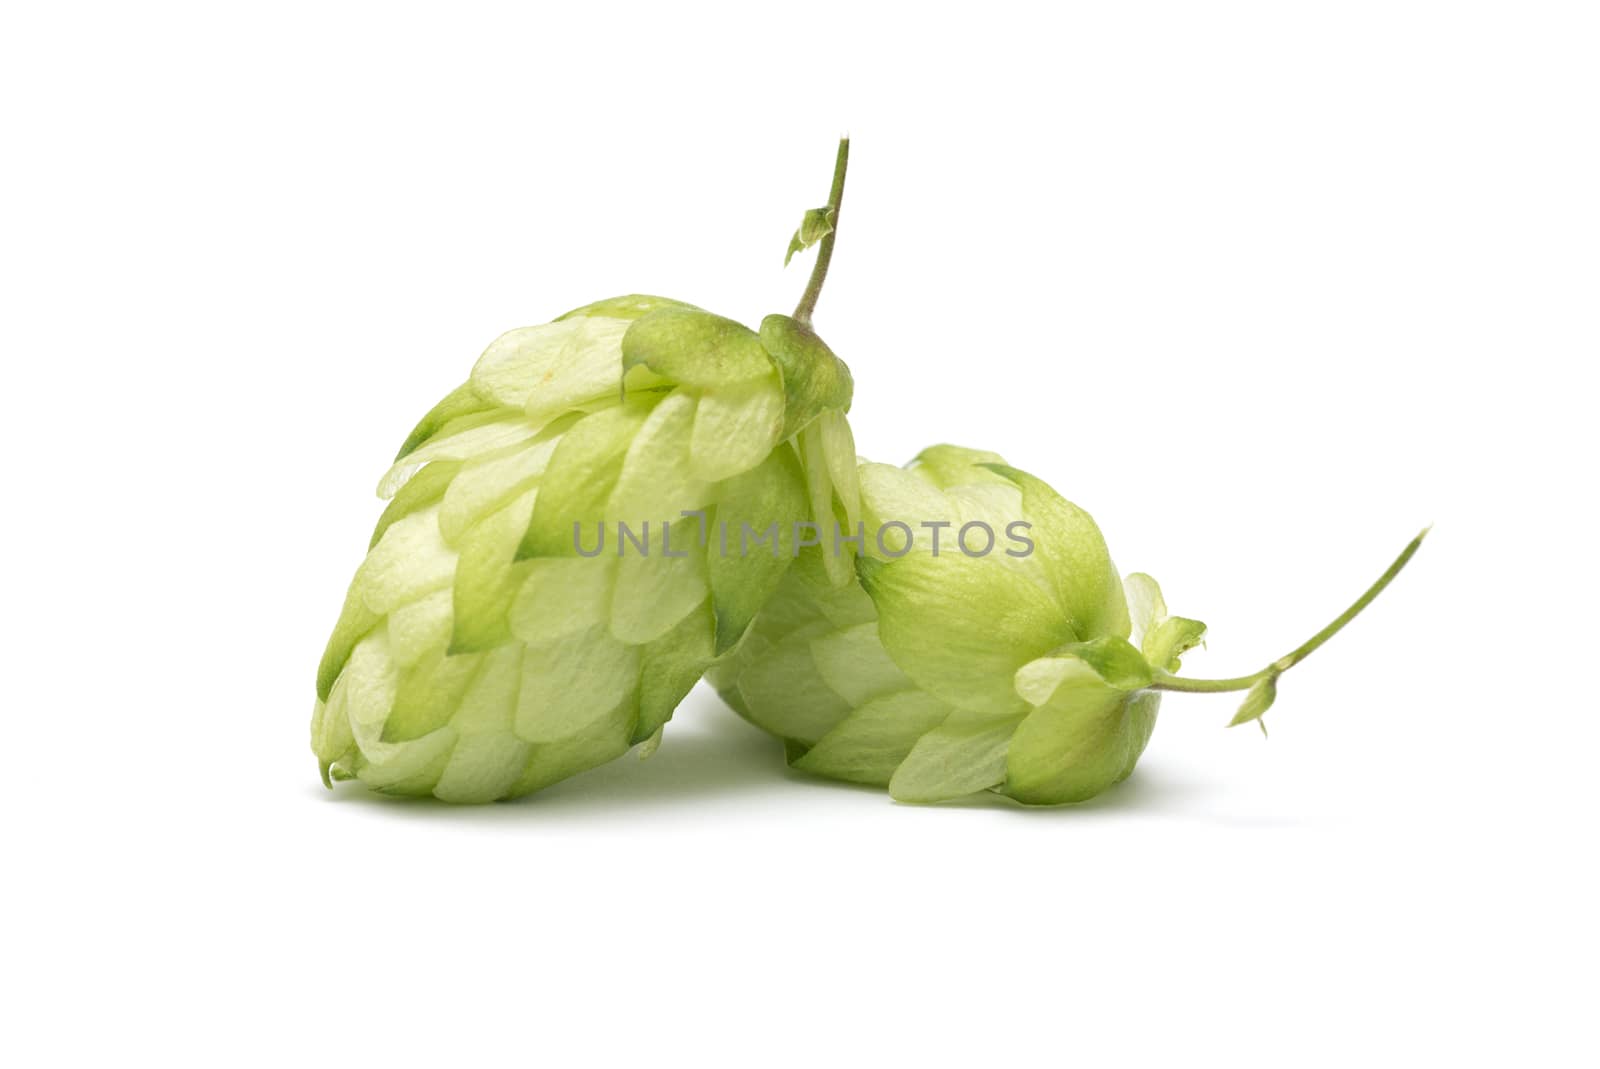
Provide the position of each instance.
(705, 752)
(1149, 792)
(708, 753)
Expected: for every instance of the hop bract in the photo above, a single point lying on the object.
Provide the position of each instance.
(486, 647)
(947, 672)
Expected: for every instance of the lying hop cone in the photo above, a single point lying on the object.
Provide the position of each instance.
(989, 646)
(553, 572)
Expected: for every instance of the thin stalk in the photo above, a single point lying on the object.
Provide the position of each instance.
(1164, 681)
(819, 270)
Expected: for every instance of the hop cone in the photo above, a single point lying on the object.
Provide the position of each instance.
(941, 675)
(486, 647)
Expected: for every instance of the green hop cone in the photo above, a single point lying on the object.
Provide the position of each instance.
(551, 575)
(994, 649)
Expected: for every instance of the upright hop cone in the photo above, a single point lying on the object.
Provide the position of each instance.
(989, 645)
(548, 581)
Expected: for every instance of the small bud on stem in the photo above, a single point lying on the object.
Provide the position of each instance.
(828, 213)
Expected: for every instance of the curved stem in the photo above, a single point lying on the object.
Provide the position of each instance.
(1163, 681)
(819, 270)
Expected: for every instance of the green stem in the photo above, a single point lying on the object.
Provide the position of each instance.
(819, 270)
(1163, 681)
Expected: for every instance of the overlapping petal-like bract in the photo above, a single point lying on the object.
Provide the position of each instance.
(945, 673)
(486, 647)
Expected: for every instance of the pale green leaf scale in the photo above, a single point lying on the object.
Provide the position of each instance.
(841, 605)
(331, 738)
(570, 682)
(605, 738)
(418, 785)
(546, 369)
(1072, 747)
(947, 466)
(410, 561)
(670, 666)
(1170, 639)
(578, 481)
(994, 504)
(488, 706)
(839, 454)
(1163, 639)
(962, 626)
(429, 694)
(420, 627)
(503, 430)
(407, 768)
(953, 761)
(1075, 555)
(370, 681)
(488, 482)
(836, 558)
(427, 487)
(482, 768)
(1142, 709)
(854, 664)
(787, 696)
(488, 575)
(891, 495)
(560, 595)
(973, 719)
(742, 573)
(460, 402)
(1115, 660)
(654, 591)
(814, 379)
(1037, 681)
(735, 428)
(355, 622)
(695, 349)
(1146, 606)
(994, 507)
(869, 744)
(398, 477)
(372, 690)
(656, 482)
(795, 603)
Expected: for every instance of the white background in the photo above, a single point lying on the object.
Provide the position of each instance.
(1265, 287)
